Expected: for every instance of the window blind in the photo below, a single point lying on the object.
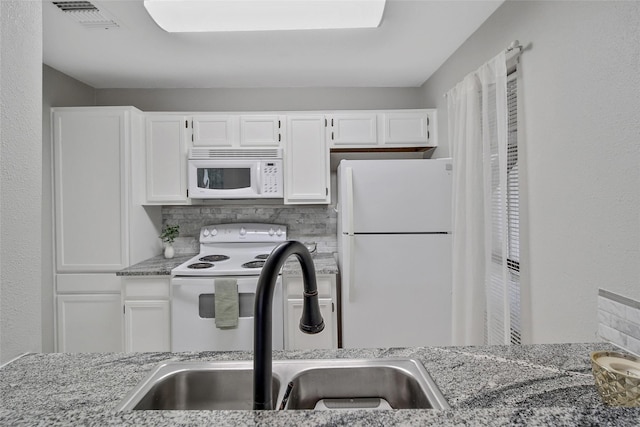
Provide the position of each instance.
(503, 312)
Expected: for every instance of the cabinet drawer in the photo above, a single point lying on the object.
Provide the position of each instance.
(87, 283)
(146, 287)
(295, 285)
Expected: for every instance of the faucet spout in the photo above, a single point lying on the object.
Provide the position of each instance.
(311, 321)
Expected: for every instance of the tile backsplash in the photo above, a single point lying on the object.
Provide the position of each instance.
(619, 320)
(304, 223)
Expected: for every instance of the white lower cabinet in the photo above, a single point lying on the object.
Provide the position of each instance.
(147, 314)
(293, 337)
(88, 313)
(89, 323)
(298, 339)
(146, 326)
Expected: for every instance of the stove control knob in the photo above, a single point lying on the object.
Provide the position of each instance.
(279, 232)
(205, 232)
(243, 231)
(213, 232)
(271, 232)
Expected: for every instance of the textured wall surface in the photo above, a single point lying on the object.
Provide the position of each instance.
(619, 320)
(579, 153)
(21, 177)
(304, 223)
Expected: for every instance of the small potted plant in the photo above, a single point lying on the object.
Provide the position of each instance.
(168, 235)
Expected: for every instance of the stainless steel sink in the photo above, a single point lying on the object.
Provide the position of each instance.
(316, 384)
(199, 385)
(364, 384)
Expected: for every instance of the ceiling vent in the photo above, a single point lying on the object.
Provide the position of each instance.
(87, 14)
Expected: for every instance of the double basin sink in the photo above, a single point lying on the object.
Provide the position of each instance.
(297, 384)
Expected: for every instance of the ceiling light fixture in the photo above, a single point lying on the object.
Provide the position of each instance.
(264, 15)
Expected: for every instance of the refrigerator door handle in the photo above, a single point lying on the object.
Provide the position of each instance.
(350, 234)
(350, 288)
(349, 209)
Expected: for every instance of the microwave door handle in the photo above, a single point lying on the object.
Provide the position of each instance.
(259, 177)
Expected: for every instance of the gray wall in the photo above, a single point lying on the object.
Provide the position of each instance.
(580, 155)
(21, 177)
(261, 99)
(58, 90)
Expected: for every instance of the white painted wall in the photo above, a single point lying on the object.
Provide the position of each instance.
(256, 99)
(580, 152)
(21, 177)
(58, 90)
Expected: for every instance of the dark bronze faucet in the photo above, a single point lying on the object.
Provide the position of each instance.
(311, 321)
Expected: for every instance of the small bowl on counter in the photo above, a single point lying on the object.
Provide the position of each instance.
(617, 377)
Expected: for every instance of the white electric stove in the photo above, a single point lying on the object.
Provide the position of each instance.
(231, 252)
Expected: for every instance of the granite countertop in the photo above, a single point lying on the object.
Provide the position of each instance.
(493, 385)
(156, 266)
(324, 263)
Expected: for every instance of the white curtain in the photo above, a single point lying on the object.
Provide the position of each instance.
(477, 110)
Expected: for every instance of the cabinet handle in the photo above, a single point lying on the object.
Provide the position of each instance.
(186, 124)
(332, 136)
(278, 124)
(279, 137)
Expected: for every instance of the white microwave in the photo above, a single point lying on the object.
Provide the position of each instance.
(235, 173)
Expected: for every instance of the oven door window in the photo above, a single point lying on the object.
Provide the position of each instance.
(207, 305)
(224, 178)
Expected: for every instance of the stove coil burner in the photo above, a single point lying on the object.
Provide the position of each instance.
(214, 258)
(200, 265)
(253, 264)
(262, 256)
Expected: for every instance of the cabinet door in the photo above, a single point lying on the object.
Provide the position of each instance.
(215, 130)
(89, 323)
(306, 160)
(406, 128)
(296, 339)
(166, 159)
(146, 326)
(261, 131)
(91, 189)
(353, 129)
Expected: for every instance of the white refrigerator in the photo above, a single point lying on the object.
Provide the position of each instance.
(394, 246)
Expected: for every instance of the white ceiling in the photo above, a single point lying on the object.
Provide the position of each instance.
(413, 40)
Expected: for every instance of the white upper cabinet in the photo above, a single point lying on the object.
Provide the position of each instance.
(91, 188)
(386, 130)
(166, 177)
(306, 158)
(261, 130)
(407, 128)
(352, 129)
(234, 130)
(215, 130)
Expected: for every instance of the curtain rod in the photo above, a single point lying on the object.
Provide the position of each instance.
(513, 50)
(515, 45)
